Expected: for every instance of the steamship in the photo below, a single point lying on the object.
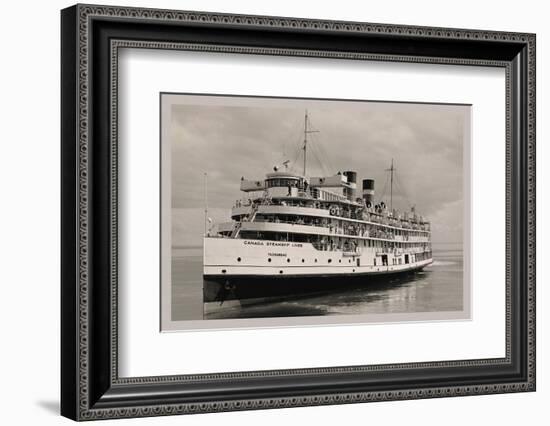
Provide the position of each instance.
(291, 233)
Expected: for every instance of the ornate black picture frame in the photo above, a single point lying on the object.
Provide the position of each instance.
(91, 387)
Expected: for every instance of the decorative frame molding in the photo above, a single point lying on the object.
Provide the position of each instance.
(91, 37)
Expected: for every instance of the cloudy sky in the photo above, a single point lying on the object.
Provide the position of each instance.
(230, 137)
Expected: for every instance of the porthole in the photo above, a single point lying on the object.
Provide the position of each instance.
(303, 260)
(224, 271)
(330, 260)
(288, 260)
(238, 259)
(339, 260)
(315, 260)
(280, 272)
(269, 259)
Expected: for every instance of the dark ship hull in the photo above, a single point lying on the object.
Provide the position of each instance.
(250, 289)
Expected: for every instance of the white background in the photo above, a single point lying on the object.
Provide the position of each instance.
(29, 225)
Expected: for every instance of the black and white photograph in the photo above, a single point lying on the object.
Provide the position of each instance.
(286, 209)
(269, 208)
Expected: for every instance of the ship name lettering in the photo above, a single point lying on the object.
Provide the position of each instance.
(277, 254)
(278, 244)
(255, 243)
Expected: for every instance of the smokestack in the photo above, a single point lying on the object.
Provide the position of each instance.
(352, 181)
(368, 191)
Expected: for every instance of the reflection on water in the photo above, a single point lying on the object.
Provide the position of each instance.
(437, 288)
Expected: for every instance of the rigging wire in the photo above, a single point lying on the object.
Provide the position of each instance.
(327, 157)
(322, 152)
(296, 155)
(286, 144)
(384, 189)
(326, 163)
(314, 147)
(322, 161)
(401, 189)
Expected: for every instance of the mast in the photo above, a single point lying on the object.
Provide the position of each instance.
(391, 170)
(306, 132)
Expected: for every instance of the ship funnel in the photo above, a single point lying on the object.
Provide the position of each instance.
(351, 191)
(368, 192)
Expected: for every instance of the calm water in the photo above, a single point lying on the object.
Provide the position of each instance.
(437, 288)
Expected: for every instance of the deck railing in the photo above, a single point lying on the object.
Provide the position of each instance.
(353, 231)
(368, 215)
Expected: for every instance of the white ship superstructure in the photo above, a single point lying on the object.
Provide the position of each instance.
(290, 225)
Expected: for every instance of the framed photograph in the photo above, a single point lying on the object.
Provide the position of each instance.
(288, 238)
(263, 212)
